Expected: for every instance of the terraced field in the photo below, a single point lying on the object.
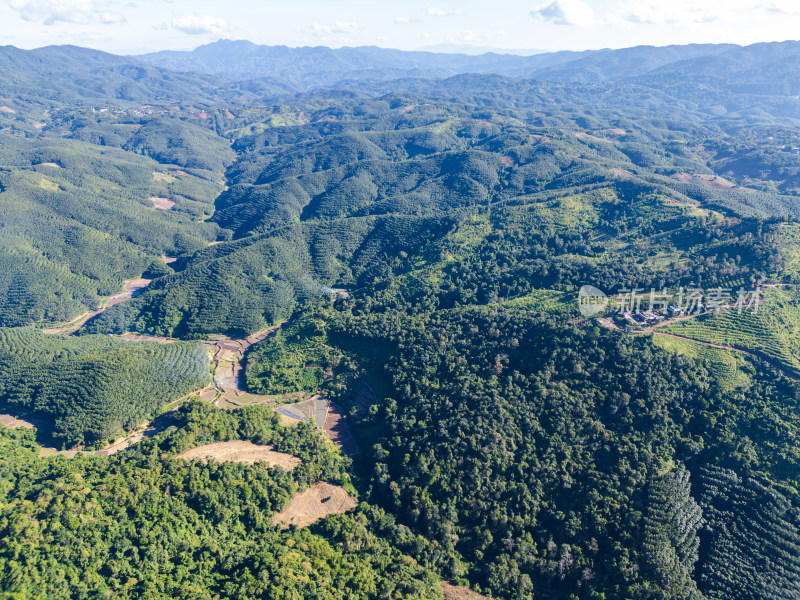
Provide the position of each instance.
(772, 333)
(728, 365)
(91, 387)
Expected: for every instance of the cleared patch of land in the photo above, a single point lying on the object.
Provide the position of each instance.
(131, 288)
(337, 429)
(711, 181)
(158, 176)
(47, 452)
(313, 504)
(140, 337)
(242, 452)
(588, 137)
(162, 203)
(14, 423)
(458, 592)
(50, 164)
(127, 441)
(313, 410)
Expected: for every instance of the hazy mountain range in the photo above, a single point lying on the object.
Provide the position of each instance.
(310, 67)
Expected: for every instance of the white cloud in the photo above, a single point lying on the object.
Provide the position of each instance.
(566, 12)
(781, 7)
(407, 20)
(674, 13)
(201, 25)
(437, 12)
(687, 13)
(54, 11)
(469, 36)
(108, 18)
(339, 27)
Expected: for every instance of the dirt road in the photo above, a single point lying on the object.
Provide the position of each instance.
(131, 288)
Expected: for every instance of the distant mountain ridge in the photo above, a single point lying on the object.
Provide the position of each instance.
(306, 67)
(73, 73)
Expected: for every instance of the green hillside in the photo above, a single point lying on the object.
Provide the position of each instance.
(76, 220)
(87, 389)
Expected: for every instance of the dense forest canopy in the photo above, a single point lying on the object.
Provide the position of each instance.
(416, 234)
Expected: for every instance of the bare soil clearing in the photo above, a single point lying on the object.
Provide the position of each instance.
(140, 337)
(457, 592)
(711, 181)
(314, 410)
(240, 451)
(327, 417)
(130, 289)
(588, 137)
(162, 203)
(50, 164)
(313, 504)
(129, 440)
(46, 452)
(14, 423)
(337, 429)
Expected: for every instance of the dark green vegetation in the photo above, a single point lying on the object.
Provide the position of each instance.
(424, 240)
(89, 388)
(562, 459)
(142, 524)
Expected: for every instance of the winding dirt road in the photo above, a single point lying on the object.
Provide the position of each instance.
(130, 289)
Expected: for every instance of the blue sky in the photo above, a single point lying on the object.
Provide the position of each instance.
(124, 26)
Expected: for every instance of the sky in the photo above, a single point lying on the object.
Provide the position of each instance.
(138, 26)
